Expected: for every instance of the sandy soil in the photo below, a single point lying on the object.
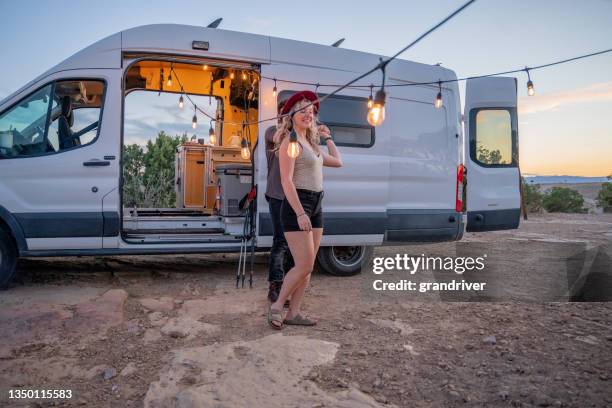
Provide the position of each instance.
(165, 331)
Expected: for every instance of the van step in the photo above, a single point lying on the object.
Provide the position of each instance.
(180, 238)
(163, 231)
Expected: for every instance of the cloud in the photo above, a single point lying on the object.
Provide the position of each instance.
(601, 92)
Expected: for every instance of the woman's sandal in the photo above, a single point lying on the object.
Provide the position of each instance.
(275, 318)
(299, 320)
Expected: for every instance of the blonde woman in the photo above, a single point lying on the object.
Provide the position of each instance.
(301, 212)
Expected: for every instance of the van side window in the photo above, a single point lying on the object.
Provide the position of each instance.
(492, 139)
(60, 116)
(346, 118)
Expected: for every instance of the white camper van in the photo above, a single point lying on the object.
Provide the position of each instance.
(63, 139)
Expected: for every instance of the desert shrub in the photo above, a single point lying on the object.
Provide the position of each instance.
(604, 197)
(533, 197)
(148, 173)
(563, 199)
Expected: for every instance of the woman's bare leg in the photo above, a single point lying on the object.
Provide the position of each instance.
(302, 250)
(298, 293)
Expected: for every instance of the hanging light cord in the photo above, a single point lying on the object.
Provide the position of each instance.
(382, 65)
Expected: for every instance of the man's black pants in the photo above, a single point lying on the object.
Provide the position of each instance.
(280, 256)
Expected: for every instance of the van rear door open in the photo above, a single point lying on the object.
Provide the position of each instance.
(491, 154)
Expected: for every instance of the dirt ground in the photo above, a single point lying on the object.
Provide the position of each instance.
(173, 331)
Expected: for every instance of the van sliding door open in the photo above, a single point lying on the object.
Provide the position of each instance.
(491, 154)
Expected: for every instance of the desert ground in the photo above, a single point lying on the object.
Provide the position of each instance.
(173, 331)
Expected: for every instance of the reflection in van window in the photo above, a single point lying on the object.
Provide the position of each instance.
(22, 128)
(57, 117)
(346, 118)
(493, 137)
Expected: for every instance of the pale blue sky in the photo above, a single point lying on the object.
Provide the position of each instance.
(565, 129)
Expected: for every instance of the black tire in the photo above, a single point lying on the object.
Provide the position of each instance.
(344, 260)
(8, 258)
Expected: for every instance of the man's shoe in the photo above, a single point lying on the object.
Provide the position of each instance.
(274, 291)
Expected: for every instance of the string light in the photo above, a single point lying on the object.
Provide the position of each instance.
(211, 134)
(370, 100)
(244, 76)
(293, 150)
(376, 114)
(169, 83)
(194, 121)
(530, 90)
(245, 152)
(181, 102)
(205, 67)
(438, 103)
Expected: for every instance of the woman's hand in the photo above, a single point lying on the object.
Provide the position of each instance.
(304, 222)
(323, 131)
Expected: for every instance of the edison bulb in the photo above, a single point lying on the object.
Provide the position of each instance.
(181, 102)
(438, 103)
(274, 92)
(213, 139)
(194, 122)
(293, 150)
(530, 90)
(169, 83)
(370, 102)
(376, 114)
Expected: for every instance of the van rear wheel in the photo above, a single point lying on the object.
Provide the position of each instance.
(8, 258)
(344, 260)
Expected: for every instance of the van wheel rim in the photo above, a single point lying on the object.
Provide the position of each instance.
(348, 255)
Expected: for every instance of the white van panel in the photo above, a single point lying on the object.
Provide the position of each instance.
(52, 196)
(177, 39)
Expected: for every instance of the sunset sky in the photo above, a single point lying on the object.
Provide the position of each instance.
(566, 129)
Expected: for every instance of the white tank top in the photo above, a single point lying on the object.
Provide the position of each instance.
(308, 170)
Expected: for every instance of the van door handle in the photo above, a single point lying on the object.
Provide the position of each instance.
(96, 163)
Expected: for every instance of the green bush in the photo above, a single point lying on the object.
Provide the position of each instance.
(604, 197)
(148, 173)
(563, 199)
(533, 197)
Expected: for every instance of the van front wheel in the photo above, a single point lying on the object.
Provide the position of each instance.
(8, 258)
(344, 260)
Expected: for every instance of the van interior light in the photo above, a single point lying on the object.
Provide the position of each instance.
(245, 152)
(376, 114)
(212, 138)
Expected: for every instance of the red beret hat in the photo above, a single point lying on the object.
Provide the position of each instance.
(304, 95)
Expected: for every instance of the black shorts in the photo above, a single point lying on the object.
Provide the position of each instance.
(311, 202)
